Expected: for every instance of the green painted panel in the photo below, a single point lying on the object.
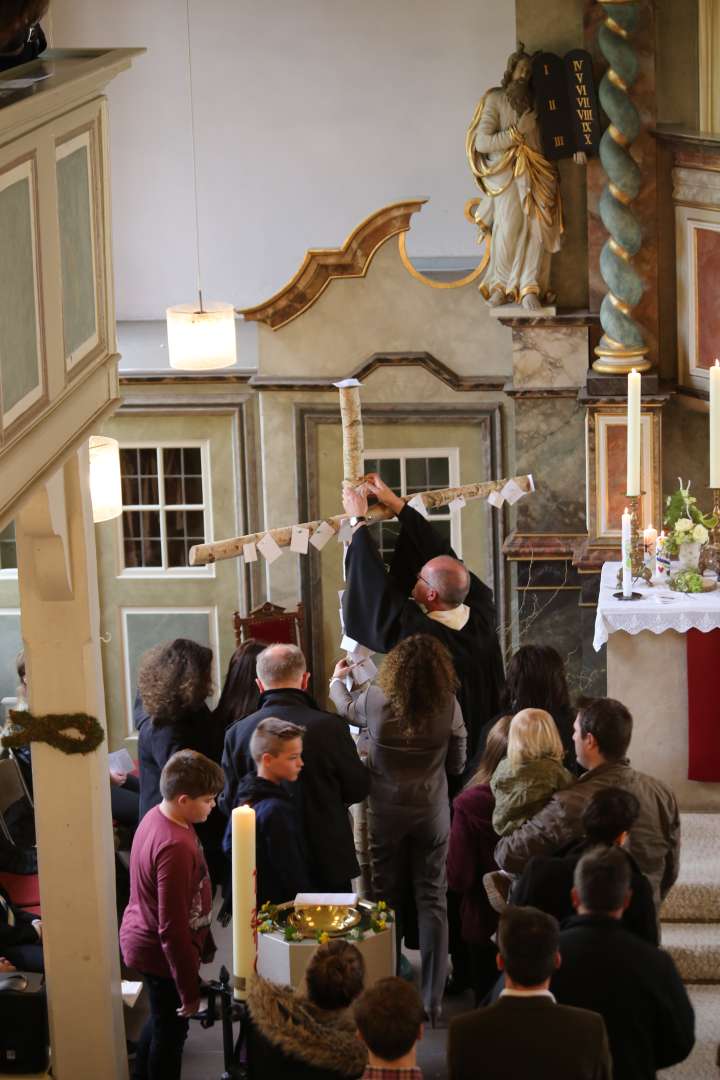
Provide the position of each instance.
(10, 645)
(19, 361)
(76, 248)
(145, 629)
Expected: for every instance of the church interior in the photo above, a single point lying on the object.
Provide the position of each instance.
(327, 176)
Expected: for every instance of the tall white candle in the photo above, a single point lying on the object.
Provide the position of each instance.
(626, 554)
(633, 433)
(244, 901)
(715, 425)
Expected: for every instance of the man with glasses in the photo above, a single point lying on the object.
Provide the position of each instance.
(427, 590)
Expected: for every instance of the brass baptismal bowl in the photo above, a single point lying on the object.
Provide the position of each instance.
(326, 918)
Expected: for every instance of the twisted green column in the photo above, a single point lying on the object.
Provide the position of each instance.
(622, 346)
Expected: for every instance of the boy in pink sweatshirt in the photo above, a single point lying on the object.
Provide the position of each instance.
(165, 931)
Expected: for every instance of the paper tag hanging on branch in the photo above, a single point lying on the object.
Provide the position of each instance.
(418, 503)
(250, 552)
(299, 540)
(496, 499)
(511, 492)
(457, 504)
(268, 548)
(322, 534)
(345, 532)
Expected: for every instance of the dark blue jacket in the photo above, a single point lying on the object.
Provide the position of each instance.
(280, 848)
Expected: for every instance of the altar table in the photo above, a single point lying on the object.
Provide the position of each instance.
(663, 662)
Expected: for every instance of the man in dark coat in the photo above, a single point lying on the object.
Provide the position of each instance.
(426, 591)
(525, 1033)
(635, 987)
(333, 777)
(547, 881)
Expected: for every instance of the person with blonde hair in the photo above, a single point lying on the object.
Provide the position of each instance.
(532, 771)
(524, 781)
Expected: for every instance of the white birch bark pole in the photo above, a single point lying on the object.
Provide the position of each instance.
(353, 441)
(202, 554)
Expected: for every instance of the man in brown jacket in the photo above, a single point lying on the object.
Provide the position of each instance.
(525, 1034)
(602, 735)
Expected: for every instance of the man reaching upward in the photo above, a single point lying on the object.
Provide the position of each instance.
(426, 591)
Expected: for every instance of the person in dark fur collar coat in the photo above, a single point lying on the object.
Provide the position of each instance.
(309, 1037)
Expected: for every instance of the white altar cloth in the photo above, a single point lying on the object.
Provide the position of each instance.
(659, 610)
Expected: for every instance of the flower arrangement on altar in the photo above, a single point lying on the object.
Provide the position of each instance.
(350, 923)
(686, 525)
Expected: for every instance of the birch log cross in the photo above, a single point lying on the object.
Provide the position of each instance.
(353, 468)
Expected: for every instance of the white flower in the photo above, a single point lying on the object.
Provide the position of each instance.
(700, 534)
(683, 525)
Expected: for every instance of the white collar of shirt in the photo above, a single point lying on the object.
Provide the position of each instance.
(527, 993)
(454, 618)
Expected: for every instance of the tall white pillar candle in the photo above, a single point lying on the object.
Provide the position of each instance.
(633, 434)
(243, 899)
(715, 425)
(626, 554)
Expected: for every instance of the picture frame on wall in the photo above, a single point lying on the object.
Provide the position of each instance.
(606, 436)
(698, 292)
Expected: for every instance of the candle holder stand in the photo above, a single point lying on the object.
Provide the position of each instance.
(222, 1006)
(637, 547)
(710, 556)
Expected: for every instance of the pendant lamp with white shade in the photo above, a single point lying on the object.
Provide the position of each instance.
(201, 337)
(105, 482)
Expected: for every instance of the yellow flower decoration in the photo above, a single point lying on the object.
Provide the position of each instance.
(323, 937)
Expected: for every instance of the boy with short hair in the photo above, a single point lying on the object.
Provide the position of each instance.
(280, 847)
(165, 931)
(389, 1018)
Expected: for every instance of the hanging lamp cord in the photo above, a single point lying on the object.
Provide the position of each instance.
(194, 158)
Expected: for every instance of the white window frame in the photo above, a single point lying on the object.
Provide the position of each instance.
(10, 573)
(165, 571)
(212, 614)
(452, 453)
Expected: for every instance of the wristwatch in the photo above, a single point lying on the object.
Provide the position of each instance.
(356, 519)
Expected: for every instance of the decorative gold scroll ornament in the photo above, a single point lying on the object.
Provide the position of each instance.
(72, 733)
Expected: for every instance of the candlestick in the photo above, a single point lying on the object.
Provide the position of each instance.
(710, 556)
(715, 425)
(633, 433)
(244, 901)
(626, 555)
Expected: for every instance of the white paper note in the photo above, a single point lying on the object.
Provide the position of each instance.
(457, 504)
(495, 498)
(348, 644)
(322, 534)
(345, 532)
(269, 548)
(299, 540)
(364, 672)
(418, 504)
(512, 492)
(250, 552)
(317, 899)
(120, 761)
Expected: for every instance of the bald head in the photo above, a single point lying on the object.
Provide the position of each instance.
(449, 578)
(281, 665)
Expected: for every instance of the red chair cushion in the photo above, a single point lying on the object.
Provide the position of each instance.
(23, 889)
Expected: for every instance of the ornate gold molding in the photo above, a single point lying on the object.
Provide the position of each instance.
(321, 265)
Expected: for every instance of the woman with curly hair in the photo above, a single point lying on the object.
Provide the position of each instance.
(174, 681)
(415, 736)
(240, 693)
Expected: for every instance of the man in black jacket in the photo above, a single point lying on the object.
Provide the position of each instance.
(525, 1033)
(635, 987)
(333, 777)
(426, 591)
(547, 881)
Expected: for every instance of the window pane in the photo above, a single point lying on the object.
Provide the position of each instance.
(141, 538)
(173, 490)
(152, 552)
(130, 490)
(185, 524)
(132, 553)
(8, 551)
(192, 464)
(438, 472)
(195, 525)
(177, 553)
(416, 474)
(148, 462)
(172, 461)
(128, 462)
(389, 469)
(193, 490)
